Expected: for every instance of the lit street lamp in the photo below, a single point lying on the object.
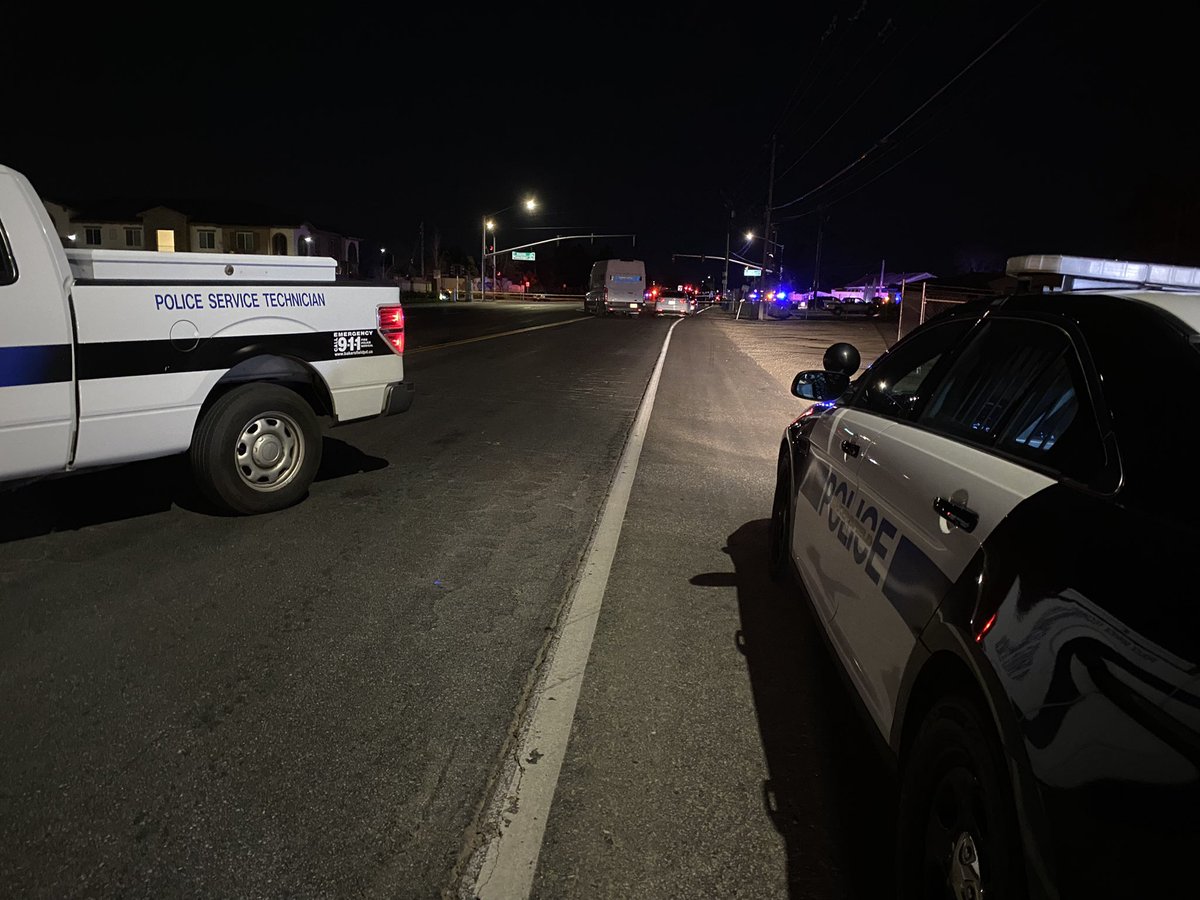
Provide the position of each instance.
(490, 225)
(777, 269)
(383, 263)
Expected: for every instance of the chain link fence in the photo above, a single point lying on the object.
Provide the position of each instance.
(918, 307)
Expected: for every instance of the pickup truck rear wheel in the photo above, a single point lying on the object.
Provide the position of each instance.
(256, 449)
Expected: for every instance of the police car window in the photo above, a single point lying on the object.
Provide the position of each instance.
(8, 266)
(1149, 373)
(992, 374)
(901, 380)
(1054, 425)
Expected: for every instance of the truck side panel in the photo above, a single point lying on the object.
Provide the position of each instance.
(355, 388)
(149, 355)
(135, 417)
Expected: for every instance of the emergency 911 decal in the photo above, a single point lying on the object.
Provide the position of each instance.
(352, 343)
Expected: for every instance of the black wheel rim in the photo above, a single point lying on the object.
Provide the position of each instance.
(956, 836)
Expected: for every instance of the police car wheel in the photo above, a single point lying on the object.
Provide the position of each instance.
(780, 535)
(957, 827)
(256, 449)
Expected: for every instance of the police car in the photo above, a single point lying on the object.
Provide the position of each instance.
(995, 525)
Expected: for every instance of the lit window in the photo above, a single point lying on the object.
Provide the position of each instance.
(165, 238)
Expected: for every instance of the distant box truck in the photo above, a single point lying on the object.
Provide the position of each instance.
(617, 287)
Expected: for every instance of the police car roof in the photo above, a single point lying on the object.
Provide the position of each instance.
(1185, 307)
(1182, 309)
(1173, 289)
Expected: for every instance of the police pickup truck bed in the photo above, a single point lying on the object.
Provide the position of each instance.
(112, 356)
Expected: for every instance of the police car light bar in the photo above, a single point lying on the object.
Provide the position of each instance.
(1083, 273)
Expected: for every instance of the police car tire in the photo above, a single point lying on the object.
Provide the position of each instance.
(211, 453)
(953, 759)
(780, 533)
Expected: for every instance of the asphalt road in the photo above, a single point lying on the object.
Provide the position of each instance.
(714, 751)
(315, 702)
(432, 325)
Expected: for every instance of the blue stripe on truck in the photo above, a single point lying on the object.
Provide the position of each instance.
(120, 359)
(38, 364)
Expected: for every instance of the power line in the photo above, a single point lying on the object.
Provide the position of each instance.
(812, 61)
(883, 140)
(881, 37)
(882, 71)
(828, 203)
(797, 95)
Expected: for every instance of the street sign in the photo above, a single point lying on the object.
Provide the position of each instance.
(752, 273)
(527, 255)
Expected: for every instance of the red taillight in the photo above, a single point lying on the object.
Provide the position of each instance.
(391, 317)
(987, 626)
(391, 326)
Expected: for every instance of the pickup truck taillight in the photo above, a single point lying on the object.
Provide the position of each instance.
(391, 326)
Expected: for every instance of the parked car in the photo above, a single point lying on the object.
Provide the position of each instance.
(849, 307)
(672, 303)
(995, 528)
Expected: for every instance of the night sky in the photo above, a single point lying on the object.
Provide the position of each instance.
(1075, 134)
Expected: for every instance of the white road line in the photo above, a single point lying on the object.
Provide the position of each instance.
(504, 866)
(488, 337)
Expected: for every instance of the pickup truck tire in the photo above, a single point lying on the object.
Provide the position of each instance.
(256, 449)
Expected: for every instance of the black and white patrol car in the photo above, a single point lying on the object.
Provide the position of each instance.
(996, 527)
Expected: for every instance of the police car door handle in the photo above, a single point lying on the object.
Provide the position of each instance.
(955, 514)
(850, 448)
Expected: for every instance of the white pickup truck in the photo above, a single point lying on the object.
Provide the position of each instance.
(112, 356)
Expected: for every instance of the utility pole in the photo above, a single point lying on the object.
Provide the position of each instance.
(437, 260)
(725, 277)
(767, 235)
(817, 264)
(778, 260)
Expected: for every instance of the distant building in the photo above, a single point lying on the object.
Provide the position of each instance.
(194, 228)
(885, 285)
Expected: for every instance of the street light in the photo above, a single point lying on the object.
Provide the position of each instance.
(750, 235)
(383, 263)
(308, 242)
(777, 268)
(489, 224)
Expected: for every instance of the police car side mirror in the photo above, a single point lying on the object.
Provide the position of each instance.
(818, 385)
